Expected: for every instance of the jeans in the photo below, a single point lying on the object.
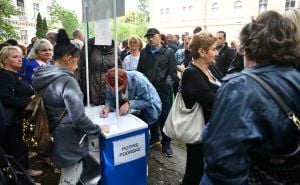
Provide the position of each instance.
(71, 174)
(156, 128)
(205, 180)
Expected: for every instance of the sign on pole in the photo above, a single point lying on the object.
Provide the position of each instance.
(95, 10)
(103, 9)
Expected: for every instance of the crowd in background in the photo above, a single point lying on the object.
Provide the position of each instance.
(202, 66)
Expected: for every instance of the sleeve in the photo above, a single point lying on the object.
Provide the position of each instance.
(110, 99)
(28, 69)
(172, 76)
(7, 97)
(126, 63)
(140, 63)
(144, 96)
(229, 136)
(2, 120)
(73, 100)
(179, 57)
(195, 85)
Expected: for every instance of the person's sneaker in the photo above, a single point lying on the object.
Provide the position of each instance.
(167, 150)
(34, 173)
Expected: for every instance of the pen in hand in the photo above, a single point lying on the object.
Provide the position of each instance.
(104, 112)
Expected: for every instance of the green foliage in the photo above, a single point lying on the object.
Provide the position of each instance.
(45, 26)
(67, 18)
(7, 10)
(143, 8)
(132, 23)
(39, 27)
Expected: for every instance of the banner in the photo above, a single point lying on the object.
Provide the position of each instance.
(102, 9)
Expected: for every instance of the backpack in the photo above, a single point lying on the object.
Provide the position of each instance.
(35, 124)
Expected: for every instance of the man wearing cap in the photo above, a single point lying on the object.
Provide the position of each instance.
(157, 63)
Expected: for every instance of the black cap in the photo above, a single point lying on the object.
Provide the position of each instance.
(152, 31)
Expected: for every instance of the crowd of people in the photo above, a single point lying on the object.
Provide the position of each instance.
(242, 120)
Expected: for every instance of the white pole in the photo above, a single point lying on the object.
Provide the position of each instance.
(86, 55)
(116, 63)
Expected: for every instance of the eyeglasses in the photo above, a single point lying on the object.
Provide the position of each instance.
(45, 50)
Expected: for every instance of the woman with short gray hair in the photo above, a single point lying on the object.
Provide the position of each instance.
(40, 54)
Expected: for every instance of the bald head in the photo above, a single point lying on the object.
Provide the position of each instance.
(77, 34)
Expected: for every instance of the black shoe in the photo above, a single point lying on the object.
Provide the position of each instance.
(167, 150)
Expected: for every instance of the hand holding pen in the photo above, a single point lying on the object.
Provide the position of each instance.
(104, 112)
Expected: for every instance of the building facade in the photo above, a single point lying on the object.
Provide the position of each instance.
(177, 16)
(25, 24)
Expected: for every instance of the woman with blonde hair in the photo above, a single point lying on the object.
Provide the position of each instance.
(15, 94)
(135, 45)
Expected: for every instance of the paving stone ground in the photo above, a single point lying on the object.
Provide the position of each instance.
(161, 170)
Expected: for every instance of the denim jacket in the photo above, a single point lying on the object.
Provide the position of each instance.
(141, 96)
(246, 119)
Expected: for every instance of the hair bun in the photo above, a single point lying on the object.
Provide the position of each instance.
(62, 38)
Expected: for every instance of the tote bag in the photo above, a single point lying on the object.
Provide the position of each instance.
(184, 124)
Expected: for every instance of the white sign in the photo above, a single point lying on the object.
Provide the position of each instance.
(102, 32)
(129, 149)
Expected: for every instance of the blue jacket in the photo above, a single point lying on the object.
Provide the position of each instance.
(27, 68)
(141, 95)
(246, 119)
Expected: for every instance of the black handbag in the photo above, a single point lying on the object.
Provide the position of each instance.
(11, 172)
(276, 169)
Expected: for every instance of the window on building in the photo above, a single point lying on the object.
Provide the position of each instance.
(289, 4)
(215, 10)
(262, 6)
(162, 12)
(20, 4)
(36, 9)
(238, 9)
(167, 10)
(24, 36)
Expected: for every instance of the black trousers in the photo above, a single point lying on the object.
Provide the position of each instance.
(12, 143)
(194, 164)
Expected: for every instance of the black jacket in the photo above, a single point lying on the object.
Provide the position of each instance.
(160, 67)
(15, 93)
(101, 58)
(224, 59)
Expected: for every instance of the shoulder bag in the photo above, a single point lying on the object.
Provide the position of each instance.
(276, 169)
(184, 124)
